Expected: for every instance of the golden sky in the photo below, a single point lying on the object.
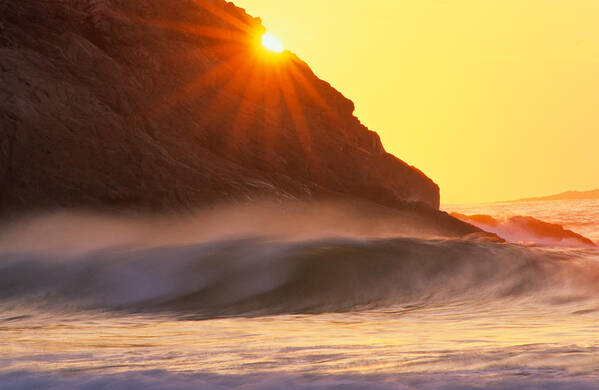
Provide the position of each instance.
(494, 100)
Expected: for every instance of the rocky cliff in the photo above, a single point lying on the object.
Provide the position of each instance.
(164, 105)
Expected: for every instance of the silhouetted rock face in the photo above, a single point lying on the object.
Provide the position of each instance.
(162, 105)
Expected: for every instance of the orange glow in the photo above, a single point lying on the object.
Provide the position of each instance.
(494, 100)
(272, 43)
(253, 75)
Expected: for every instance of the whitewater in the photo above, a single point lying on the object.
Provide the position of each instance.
(302, 298)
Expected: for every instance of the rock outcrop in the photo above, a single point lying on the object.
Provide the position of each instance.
(165, 105)
(527, 230)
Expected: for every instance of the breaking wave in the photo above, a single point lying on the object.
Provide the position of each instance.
(262, 275)
(528, 231)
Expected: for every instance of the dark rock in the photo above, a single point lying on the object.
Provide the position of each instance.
(156, 105)
(527, 230)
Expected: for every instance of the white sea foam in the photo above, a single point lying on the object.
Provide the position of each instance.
(297, 298)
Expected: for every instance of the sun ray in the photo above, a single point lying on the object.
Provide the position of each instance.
(237, 81)
(211, 77)
(313, 93)
(299, 121)
(224, 34)
(246, 111)
(257, 79)
(223, 15)
(272, 110)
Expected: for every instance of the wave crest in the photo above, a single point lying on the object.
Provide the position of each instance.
(528, 230)
(259, 276)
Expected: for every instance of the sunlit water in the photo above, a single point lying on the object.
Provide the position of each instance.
(581, 216)
(436, 314)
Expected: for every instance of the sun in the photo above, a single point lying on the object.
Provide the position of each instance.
(271, 42)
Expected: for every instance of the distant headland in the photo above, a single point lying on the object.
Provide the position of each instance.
(568, 195)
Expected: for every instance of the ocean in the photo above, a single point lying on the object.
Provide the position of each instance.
(91, 302)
